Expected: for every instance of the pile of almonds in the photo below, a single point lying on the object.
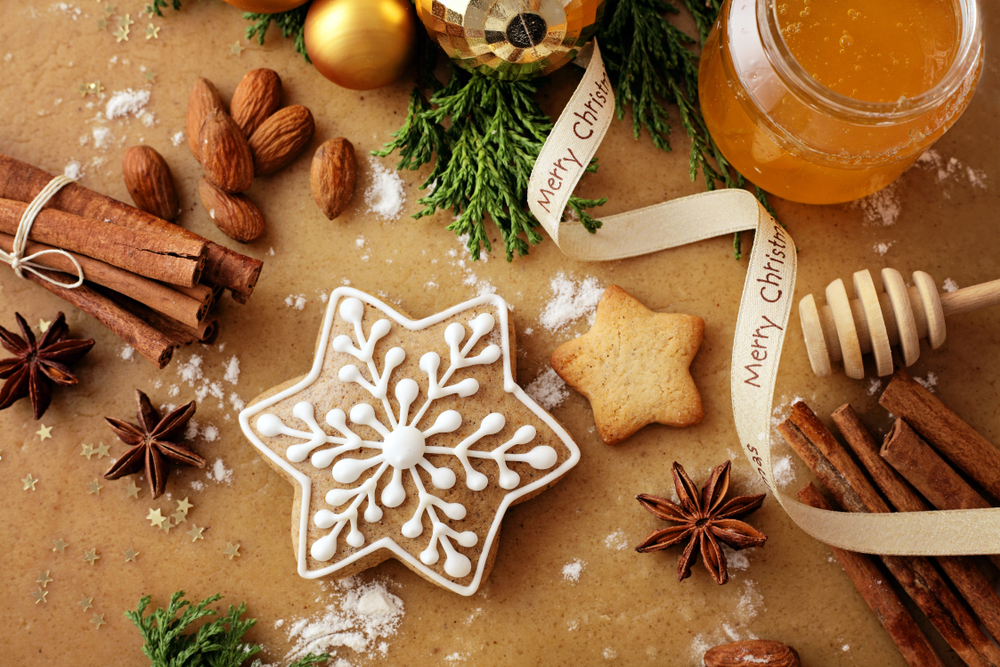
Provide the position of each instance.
(255, 138)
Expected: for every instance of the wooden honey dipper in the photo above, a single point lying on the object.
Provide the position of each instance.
(847, 328)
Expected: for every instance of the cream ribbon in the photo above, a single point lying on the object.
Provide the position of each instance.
(16, 257)
(760, 326)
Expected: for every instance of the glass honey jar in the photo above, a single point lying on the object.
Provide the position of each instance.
(825, 101)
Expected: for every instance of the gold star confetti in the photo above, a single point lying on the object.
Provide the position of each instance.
(91, 556)
(155, 518)
(39, 595)
(121, 34)
(88, 451)
(59, 545)
(149, 76)
(45, 432)
(86, 602)
(231, 550)
(195, 533)
(102, 24)
(43, 325)
(83, 89)
(130, 555)
(133, 490)
(29, 482)
(236, 49)
(183, 506)
(96, 88)
(152, 32)
(94, 487)
(178, 517)
(43, 579)
(108, 9)
(102, 451)
(166, 525)
(125, 21)
(98, 621)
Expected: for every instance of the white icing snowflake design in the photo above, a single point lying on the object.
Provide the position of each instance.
(403, 442)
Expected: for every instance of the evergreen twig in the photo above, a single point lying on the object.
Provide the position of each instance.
(292, 24)
(156, 7)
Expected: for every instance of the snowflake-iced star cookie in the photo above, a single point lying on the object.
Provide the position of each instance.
(408, 440)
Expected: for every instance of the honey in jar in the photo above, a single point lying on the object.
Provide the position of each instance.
(825, 101)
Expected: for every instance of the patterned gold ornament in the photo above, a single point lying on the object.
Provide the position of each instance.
(511, 39)
(266, 6)
(360, 44)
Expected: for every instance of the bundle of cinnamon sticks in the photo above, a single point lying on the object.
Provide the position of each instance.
(909, 473)
(149, 281)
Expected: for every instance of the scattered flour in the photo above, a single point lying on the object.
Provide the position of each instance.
(571, 571)
(616, 540)
(570, 302)
(101, 135)
(949, 285)
(237, 402)
(232, 375)
(873, 386)
(928, 382)
(366, 614)
(882, 248)
(296, 301)
(127, 353)
(949, 170)
(736, 560)
(455, 657)
(548, 389)
(73, 170)
(385, 196)
(125, 102)
(882, 208)
(609, 654)
(177, 138)
(782, 471)
(220, 473)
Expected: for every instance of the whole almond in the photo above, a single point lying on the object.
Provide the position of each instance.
(753, 653)
(237, 216)
(280, 138)
(204, 100)
(225, 154)
(256, 98)
(332, 176)
(149, 181)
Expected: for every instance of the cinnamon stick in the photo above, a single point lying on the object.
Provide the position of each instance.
(146, 340)
(874, 587)
(963, 573)
(229, 269)
(946, 431)
(177, 332)
(175, 261)
(918, 577)
(203, 294)
(156, 295)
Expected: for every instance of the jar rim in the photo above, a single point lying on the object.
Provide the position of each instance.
(815, 94)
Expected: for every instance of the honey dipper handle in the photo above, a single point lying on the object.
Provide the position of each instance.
(972, 298)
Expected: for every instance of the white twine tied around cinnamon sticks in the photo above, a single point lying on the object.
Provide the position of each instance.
(16, 257)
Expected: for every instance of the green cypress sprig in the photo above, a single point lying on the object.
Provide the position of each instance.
(217, 643)
(156, 7)
(292, 24)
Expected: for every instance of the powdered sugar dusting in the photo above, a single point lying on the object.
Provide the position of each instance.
(949, 285)
(929, 382)
(125, 102)
(571, 301)
(782, 471)
(385, 196)
(882, 208)
(548, 389)
(571, 571)
(616, 540)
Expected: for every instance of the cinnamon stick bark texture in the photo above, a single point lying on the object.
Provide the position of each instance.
(156, 295)
(146, 340)
(21, 181)
(175, 261)
(948, 433)
(836, 470)
(873, 585)
(963, 573)
(915, 460)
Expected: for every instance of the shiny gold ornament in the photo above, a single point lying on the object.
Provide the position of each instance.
(511, 39)
(266, 6)
(360, 44)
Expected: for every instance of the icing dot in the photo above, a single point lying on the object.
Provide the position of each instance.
(324, 548)
(349, 373)
(429, 556)
(362, 413)
(467, 539)
(320, 459)
(338, 497)
(443, 478)
(394, 494)
(542, 457)
(269, 425)
(412, 528)
(476, 480)
(355, 538)
(342, 343)
(524, 435)
(430, 362)
(508, 479)
(395, 357)
(457, 565)
(404, 447)
(493, 423)
(454, 334)
(406, 391)
(380, 329)
(373, 513)
(482, 324)
(454, 511)
(352, 310)
(467, 387)
(304, 411)
(346, 471)
(324, 519)
(491, 354)
(446, 422)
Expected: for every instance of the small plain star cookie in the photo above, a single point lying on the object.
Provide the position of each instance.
(633, 366)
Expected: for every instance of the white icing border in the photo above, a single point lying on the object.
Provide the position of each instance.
(510, 387)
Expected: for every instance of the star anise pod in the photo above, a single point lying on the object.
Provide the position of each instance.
(152, 442)
(38, 364)
(704, 521)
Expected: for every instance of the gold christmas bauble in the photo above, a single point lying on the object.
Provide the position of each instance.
(360, 44)
(266, 6)
(511, 39)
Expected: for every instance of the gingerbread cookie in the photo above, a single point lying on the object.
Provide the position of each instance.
(408, 439)
(633, 366)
